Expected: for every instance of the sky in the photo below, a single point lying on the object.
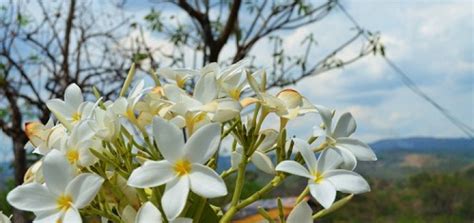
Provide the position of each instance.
(433, 41)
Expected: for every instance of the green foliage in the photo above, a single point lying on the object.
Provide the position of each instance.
(4, 189)
(22, 20)
(425, 197)
(138, 57)
(154, 20)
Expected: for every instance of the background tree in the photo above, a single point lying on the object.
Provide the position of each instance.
(42, 51)
(240, 26)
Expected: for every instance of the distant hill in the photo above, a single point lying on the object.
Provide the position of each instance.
(424, 144)
(401, 157)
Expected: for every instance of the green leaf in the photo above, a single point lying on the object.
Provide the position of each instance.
(137, 57)
(22, 19)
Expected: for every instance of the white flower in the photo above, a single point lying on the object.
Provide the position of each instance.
(34, 173)
(43, 137)
(153, 104)
(61, 197)
(232, 81)
(288, 103)
(4, 218)
(296, 104)
(149, 213)
(324, 179)
(178, 76)
(73, 109)
(203, 105)
(106, 124)
(259, 158)
(182, 168)
(125, 106)
(76, 147)
(338, 140)
(302, 213)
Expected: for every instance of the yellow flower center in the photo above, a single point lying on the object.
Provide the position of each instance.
(318, 177)
(235, 93)
(182, 167)
(76, 117)
(130, 114)
(72, 155)
(64, 202)
(180, 82)
(193, 119)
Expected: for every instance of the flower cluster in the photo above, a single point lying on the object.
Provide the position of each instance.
(151, 155)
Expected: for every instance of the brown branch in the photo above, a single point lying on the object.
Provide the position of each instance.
(229, 27)
(67, 40)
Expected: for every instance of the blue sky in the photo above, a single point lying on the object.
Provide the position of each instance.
(433, 41)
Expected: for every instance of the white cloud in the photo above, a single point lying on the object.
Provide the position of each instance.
(430, 40)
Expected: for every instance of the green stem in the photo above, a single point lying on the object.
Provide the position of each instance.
(302, 196)
(276, 181)
(202, 203)
(227, 173)
(240, 181)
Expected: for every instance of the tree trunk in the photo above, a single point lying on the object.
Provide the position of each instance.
(20, 167)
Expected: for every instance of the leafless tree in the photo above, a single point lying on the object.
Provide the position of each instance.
(43, 51)
(242, 25)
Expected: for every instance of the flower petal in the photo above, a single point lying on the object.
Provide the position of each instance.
(57, 172)
(324, 192)
(263, 162)
(152, 174)
(169, 139)
(182, 220)
(227, 109)
(203, 143)
(80, 133)
(345, 126)
(205, 182)
(47, 216)
(72, 215)
(84, 188)
(347, 181)
(308, 155)
(206, 88)
(148, 213)
(360, 150)
(175, 196)
(326, 116)
(73, 96)
(271, 136)
(61, 110)
(119, 106)
(302, 213)
(329, 159)
(235, 158)
(349, 160)
(307, 107)
(292, 167)
(4, 218)
(129, 214)
(173, 92)
(32, 197)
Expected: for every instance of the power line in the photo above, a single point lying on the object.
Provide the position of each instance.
(411, 84)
